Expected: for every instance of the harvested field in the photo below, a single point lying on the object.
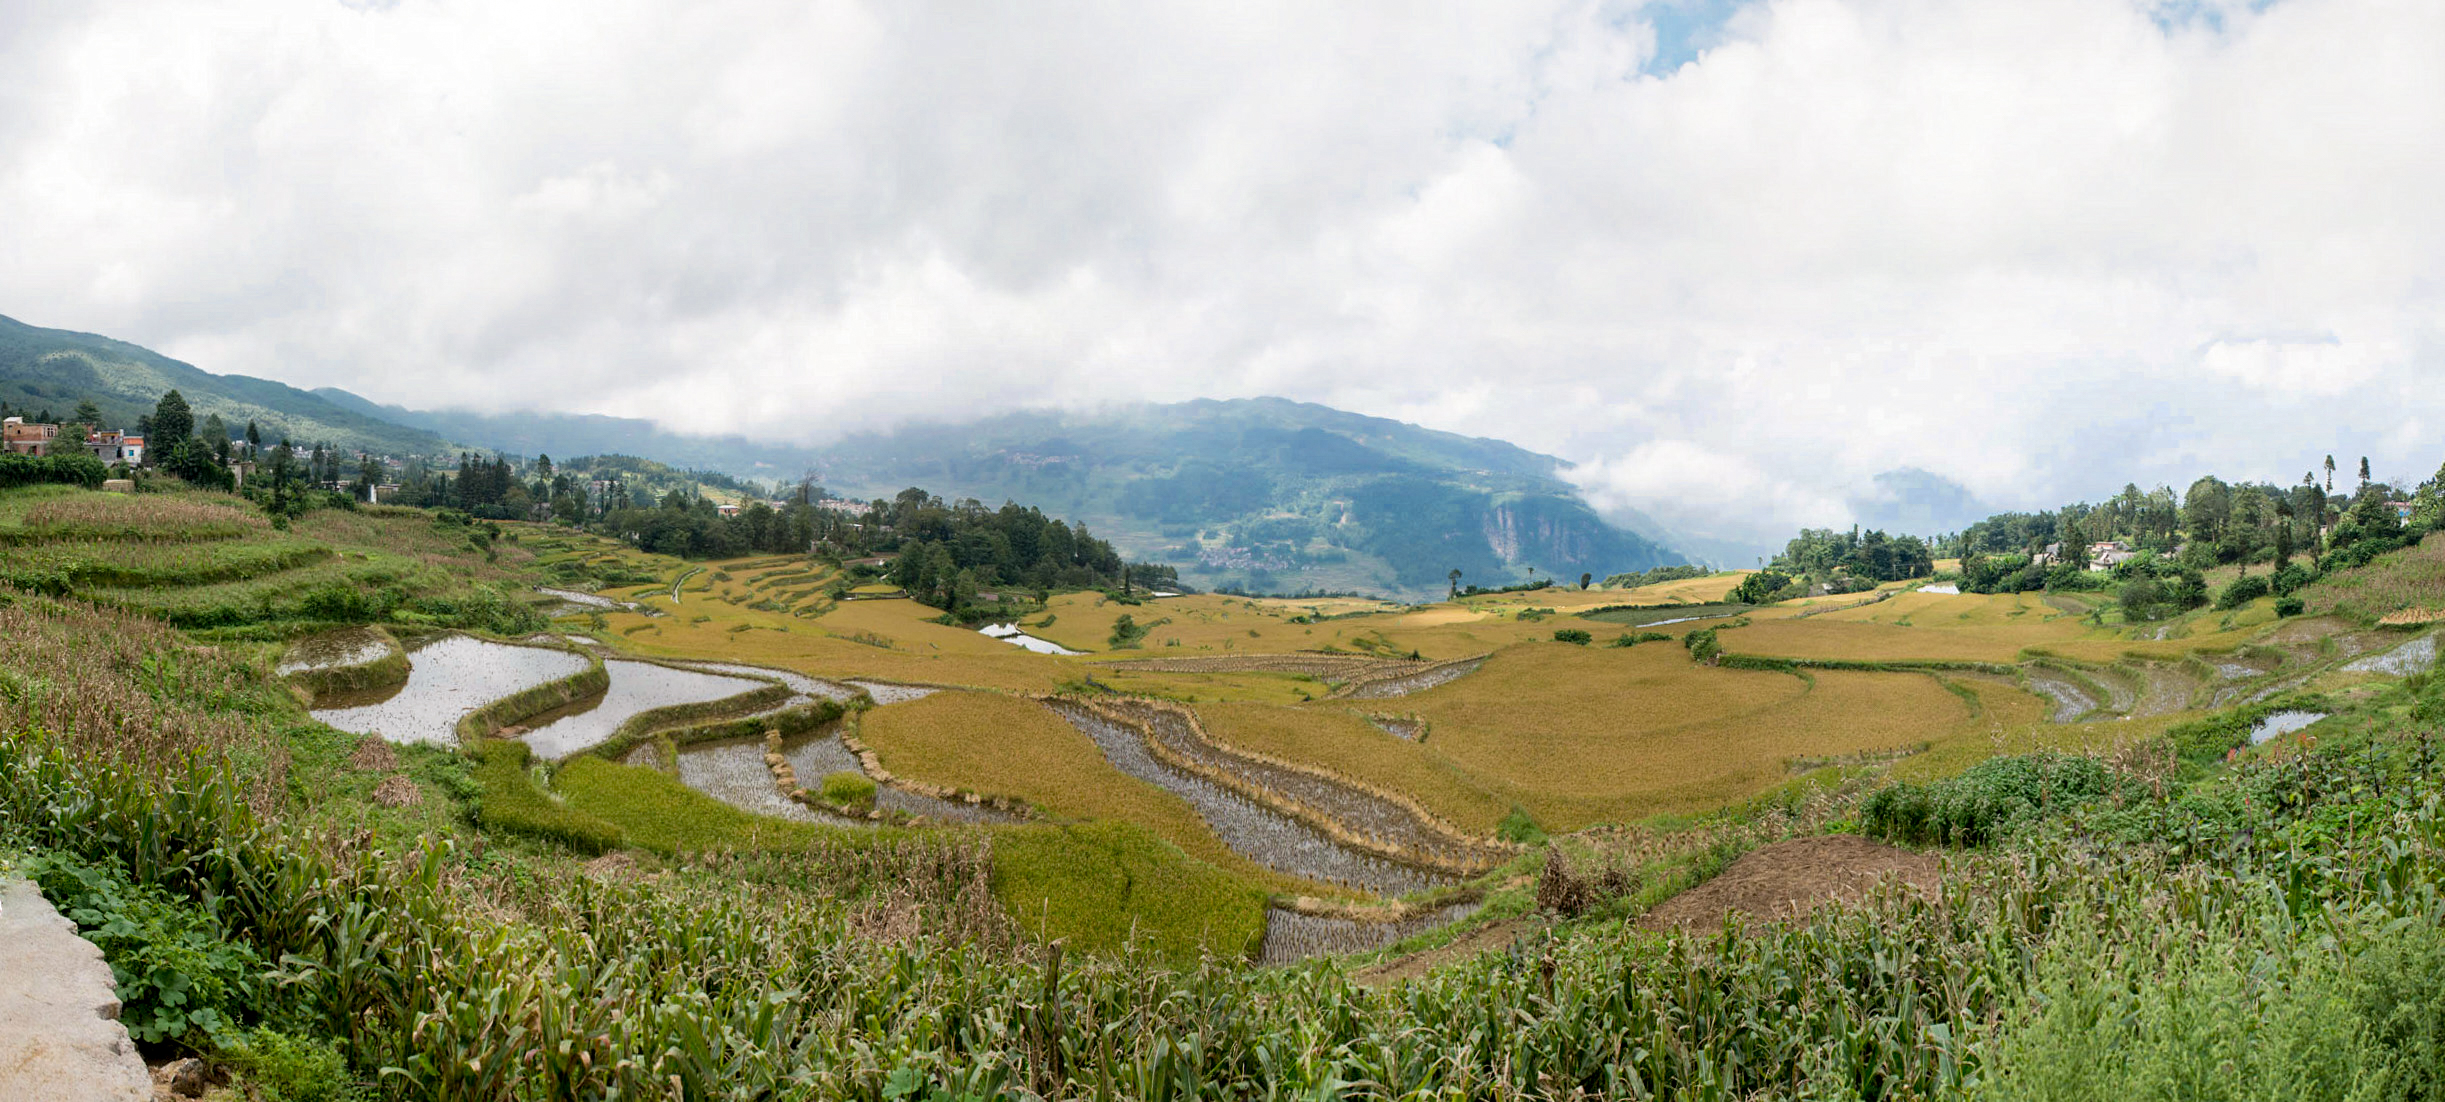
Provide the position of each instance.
(1012, 746)
(1373, 820)
(1327, 667)
(1789, 879)
(1580, 735)
(1291, 937)
(1386, 686)
(1252, 830)
(1357, 747)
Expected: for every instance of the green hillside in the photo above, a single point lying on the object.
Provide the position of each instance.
(55, 369)
(1267, 493)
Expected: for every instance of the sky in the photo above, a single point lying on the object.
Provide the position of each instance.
(1732, 258)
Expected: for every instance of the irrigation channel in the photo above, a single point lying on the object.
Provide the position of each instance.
(448, 677)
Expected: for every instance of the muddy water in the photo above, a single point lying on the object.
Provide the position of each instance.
(886, 693)
(821, 754)
(1291, 937)
(1010, 633)
(635, 687)
(2071, 699)
(2410, 658)
(2282, 723)
(733, 771)
(798, 682)
(1251, 829)
(333, 650)
(1408, 729)
(448, 677)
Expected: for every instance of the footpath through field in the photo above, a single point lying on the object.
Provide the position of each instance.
(60, 1037)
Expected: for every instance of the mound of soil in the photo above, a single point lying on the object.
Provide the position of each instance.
(1789, 879)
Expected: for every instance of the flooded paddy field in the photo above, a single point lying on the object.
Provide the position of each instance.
(448, 677)
(635, 687)
(733, 771)
(333, 650)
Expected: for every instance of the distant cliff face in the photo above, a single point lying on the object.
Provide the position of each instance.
(1561, 536)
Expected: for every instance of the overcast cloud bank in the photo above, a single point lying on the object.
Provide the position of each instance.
(2036, 248)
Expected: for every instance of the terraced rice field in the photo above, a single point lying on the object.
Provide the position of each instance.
(1252, 830)
(733, 771)
(1579, 735)
(448, 677)
(635, 687)
(1333, 738)
(1291, 937)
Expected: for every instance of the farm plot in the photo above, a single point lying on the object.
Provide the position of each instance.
(1386, 686)
(448, 677)
(1252, 830)
(636, 688)
(733, 771)
(1371, 820)
(1580, 735)
(1015, 747)
(1292, 936)
(2412, 578)
(1358, 746)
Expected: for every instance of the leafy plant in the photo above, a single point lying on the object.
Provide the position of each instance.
(181, 977)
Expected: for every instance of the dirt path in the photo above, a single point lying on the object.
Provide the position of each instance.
(1496, 936)
(60, 1037)
(1789, 879)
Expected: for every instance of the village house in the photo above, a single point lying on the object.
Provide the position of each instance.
(116, 447)
(2109, 554)
(21, 437)
(2402, 510)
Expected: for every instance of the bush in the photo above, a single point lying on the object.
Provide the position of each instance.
(1628, 640)
(2242, 591)
(74, 469)
(282, 1068)
(1703, 646)
(2289, 606)
(850, 790)
(1988, 802)
(1572, 635)
(181, 978)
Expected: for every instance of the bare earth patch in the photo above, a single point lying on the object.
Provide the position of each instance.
(1789, 879)
(1493, 936)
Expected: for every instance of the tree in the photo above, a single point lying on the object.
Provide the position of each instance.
(1455, 582)
(1585, 578)
(2364, 472)
(254, 439)
(172, 420)
(2330, 474)
(543, 466)
(88, 413)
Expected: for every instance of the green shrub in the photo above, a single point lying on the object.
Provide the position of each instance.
(278, 1067)
(512, 804)
(2242, 591)
(850, 790)
(1626, 639)
(1519, 827)
(1986, 803)
(2289, 606)
(181, 977)
(1575, 636)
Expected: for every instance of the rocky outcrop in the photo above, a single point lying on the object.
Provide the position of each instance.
(60, 1037)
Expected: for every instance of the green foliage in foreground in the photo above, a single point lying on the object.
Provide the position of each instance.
(1107, 886)
(180, 977)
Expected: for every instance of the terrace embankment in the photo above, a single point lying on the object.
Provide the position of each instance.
(1405, 682)
(1328, 667)
(1356, 815)
(1253, 830)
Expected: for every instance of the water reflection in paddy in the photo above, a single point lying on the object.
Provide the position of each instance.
(334, 649)
(448, 677)
(635, 687)
(733, 771)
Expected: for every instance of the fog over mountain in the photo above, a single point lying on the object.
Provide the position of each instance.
(1732, 260)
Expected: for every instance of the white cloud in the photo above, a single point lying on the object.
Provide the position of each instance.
(2041, 249)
